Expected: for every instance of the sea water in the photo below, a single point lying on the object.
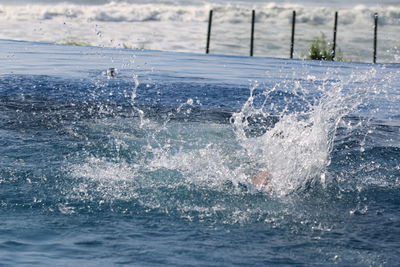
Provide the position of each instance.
(152, 165)
(182, 25)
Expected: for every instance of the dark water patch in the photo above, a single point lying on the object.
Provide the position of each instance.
(28, 88)
(132, 237)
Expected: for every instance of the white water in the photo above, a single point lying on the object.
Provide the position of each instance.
(174, 26)
(295, 150)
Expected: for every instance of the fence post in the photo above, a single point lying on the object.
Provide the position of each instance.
(209, 32)
(375, 35)
(334, 36)
(253, 18)
(292, 40)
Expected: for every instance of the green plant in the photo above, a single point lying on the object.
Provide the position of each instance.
(74, 42)
(320, 49)
(126, 46)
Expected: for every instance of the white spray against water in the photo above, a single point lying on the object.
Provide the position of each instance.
(140, 112)
(135, 87)
(295, 151)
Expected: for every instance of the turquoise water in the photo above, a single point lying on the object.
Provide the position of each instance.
(152, 166)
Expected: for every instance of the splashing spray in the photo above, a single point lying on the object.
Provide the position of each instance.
(295, 149)
(136, 84)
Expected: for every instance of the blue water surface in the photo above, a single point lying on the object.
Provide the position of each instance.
(91, 175)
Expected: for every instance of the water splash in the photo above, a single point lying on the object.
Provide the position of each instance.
(295, 146)
(286, 128)
(200, 170)
(140, 112)
(135, 87)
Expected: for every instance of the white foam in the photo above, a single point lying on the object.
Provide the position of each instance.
(101, 170)
(296, 150)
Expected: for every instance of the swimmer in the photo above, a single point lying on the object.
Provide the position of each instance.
(262, 180)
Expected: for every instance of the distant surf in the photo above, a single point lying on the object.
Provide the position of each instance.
(181, 26)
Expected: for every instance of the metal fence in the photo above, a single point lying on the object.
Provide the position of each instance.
(292, 40)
